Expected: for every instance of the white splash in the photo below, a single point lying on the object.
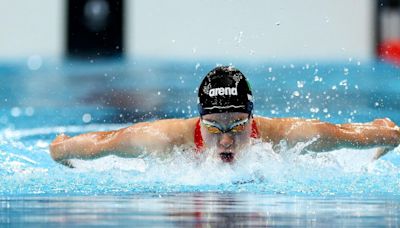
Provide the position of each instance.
(261, 167)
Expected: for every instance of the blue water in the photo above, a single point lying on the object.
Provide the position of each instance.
(340, 188)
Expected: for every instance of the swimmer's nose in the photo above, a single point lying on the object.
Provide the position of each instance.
(226, 140)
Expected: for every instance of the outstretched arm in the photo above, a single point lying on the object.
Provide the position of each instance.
(133, 141)
(379, 133)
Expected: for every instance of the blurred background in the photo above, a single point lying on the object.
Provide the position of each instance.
(198, 29)
(190, 29)
(85, 61)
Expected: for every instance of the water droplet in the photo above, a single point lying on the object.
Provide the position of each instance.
(29, 111)
(15, 111)
(296, 93)
(239, 37)
(317, 79)
(34, 62)
(278, 23)
(270, 69)
(86, 118)
(197, 66)
(346, 71)
(300, 84)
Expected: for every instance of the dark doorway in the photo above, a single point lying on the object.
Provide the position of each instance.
(94, 28)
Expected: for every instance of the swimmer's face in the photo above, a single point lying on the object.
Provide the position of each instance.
(228, 133)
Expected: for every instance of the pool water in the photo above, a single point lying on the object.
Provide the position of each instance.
(339, 188)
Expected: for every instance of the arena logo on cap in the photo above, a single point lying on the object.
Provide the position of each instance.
(222, 91)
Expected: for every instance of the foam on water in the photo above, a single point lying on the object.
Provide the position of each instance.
(27, 169)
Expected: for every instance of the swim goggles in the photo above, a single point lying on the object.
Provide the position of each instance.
(215, 128)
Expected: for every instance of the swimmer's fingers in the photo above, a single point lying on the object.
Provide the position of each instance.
(66, 163)
(381, 151)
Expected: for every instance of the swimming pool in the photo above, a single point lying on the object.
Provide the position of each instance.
(341, 188)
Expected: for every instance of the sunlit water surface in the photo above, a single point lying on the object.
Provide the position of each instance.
(343, 187)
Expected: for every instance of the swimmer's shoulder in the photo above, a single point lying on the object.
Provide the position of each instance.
(260, 120)
(273, 129)
(180, 131)
(181, 125)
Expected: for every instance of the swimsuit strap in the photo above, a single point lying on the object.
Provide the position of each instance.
(255, 134)
(198, 139)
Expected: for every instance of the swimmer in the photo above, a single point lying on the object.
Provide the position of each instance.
(226, 126)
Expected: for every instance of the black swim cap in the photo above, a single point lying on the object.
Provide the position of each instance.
(225, 89)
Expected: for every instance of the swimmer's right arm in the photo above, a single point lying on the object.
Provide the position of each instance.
(133, 141)
(86, 146)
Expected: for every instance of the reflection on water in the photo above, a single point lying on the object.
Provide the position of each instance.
(200, 210)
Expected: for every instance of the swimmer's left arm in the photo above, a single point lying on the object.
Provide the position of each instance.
(326, 137)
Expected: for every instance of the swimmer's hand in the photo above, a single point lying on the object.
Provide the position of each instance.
(386, 122)
(53, 151)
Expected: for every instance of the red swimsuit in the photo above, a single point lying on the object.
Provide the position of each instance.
(198, 139)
